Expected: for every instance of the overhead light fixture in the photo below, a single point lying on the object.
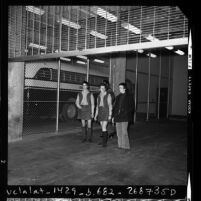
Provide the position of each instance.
(103, 13)
(140, 51)
(151, 38)
(35, 10)
(86, 12)
(151, 55)
(179, 52)
(99, 35)
(131, 28)
(82, 57)
(170, 47)
(59, 51)
(69, 23)
(80, 62)
(99, 61)
(37, 46)
(65, 59)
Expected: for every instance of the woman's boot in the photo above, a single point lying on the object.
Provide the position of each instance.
(84, 134)
(105, 138)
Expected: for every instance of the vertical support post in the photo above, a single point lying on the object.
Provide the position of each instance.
(154, 20)
(26, 33)
(136, 82)
(110, 72)
(46, 13)
(141, 24)
(60, 27)
(87, 69)
(128, 25)
(78, 13)
(159, 87)
(15, 100)
(106, 27)
(39, 31)
(58, 74)
(15, 32)
(168, 98)
(168, 23)
(69, 13)
(184, 28)
(58, 91)
(54, 13)
(20, 21)
(95, 42)
(86, 32)
(117, 24)
(33, 33)
(147, 118)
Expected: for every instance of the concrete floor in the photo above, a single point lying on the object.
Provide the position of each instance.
(158, 157)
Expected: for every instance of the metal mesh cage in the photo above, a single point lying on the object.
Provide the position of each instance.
(36, 30)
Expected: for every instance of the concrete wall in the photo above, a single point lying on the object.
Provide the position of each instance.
(15, 100)
(118, 64)
(179, 88)
(178, 81)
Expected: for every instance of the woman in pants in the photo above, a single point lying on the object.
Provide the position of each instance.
(122, 111)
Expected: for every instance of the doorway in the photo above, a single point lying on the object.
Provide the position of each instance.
(163, 102)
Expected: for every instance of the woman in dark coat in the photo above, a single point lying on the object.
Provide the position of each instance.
(122, 115)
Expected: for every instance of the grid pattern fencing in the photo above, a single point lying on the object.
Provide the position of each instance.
(37, 30)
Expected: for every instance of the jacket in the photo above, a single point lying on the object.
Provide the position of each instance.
(122, 112)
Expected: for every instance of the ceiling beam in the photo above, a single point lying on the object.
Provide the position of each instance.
(105, 50)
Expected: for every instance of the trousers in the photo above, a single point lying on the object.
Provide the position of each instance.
(122, 135)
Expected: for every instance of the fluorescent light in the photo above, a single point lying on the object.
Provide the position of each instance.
(99, 61)
(65, 59)
(179, 52)
(151, 38)
(99, 35)
(131, 28)
(82, 57)
(170, 47)
(103, 13)
(37, 46)
(151, 55)
(35, 10)
(61, 51)
(86, 12)
(140, 51)
(69, 23)
(80, 62)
